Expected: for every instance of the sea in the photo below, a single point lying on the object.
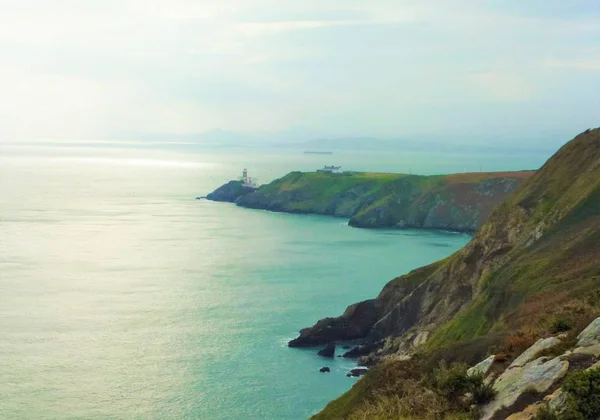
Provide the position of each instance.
(124, 297)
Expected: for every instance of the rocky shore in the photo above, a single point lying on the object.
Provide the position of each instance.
(519, 298)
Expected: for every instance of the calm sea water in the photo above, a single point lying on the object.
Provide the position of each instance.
(122, 297)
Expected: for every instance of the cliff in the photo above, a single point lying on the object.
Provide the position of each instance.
(230, 192)
(535, 261)
(460, 202)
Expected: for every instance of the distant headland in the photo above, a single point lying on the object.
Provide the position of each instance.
(457, 202)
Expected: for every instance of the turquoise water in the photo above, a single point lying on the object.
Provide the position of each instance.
(121, 297)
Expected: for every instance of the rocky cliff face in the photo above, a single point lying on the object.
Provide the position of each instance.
(456, 204)
(541, 244)
(536, 260)
(460, 202)
(230, 192)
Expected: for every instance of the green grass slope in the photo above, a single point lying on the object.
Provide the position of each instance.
(535, 261)
(460, 202)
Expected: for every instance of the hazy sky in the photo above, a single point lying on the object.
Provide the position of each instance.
(472, 68)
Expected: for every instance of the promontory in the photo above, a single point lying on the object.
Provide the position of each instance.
(457, 202)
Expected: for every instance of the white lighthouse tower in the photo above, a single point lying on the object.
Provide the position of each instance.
(247, 181)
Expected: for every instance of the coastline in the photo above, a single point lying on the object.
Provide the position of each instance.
(457, 202)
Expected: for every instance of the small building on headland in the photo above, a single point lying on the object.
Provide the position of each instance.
(247, 181)
(330, 169)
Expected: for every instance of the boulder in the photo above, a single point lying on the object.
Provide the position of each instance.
(324, 370)
(328, 351)
(532, 352)
(482, 368)
(362, 350)
(589, 351)
(590, 335)
(537, 376)
(359, 371)
(421, 338)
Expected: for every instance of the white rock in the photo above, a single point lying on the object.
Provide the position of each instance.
(532, 352)
(590, 350)
(482, 368)
(538, 376)
(591, 334)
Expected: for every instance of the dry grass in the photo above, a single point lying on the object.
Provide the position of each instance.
(415, 401)
(517, 343)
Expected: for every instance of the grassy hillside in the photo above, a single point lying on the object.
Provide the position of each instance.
(459, 202)
(535, 261)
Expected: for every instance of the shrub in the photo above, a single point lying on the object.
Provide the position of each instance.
(583, 398)
(517, 343)
(561, 325)
(482, 392)
(454, 384)
(502, 357)
(584, 393)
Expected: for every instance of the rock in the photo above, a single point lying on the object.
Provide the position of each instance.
(230, 192)
(400, 357)
(528, 414)
(362, 350)
(324, 370)
(589, 351)
(346, 347)
(556, 401)
(482, 368)
(356, 322)
(590, 335)
(421, 338)
(359, 371)
(201, 197)
(533, 351)
(328, 351)
(537, 376)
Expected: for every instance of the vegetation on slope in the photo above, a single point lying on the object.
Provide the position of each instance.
(460, 202)
(535, 262)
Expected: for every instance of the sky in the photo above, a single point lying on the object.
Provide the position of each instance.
(497, 70)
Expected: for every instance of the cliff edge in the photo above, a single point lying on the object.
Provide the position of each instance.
(535, 261)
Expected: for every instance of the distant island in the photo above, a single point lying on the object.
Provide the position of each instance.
(456, 202)
(316, 152)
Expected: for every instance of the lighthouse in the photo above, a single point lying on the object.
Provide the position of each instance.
(247, 181)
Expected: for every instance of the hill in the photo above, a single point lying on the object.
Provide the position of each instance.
(535, 262)
(458, 202)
